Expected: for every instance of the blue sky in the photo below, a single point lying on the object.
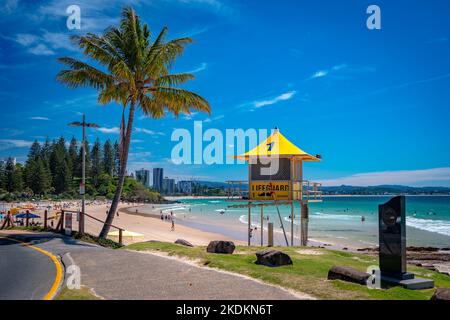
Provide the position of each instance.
(374, 103)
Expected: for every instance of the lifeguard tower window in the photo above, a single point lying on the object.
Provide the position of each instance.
(276, 172)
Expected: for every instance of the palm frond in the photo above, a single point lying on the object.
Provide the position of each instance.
(171, 80)
(82, 75)
(178, 101)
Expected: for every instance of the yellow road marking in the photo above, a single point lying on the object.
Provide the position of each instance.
(58, 278)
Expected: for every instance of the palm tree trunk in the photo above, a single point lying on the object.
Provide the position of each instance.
(122, 172)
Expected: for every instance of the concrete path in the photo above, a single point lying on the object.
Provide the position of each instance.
(122, 274)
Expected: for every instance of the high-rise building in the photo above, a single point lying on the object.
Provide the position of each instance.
(185, 187)
(158, 175)
(143, 176)
(168, 186)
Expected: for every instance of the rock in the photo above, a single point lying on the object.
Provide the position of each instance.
(184, 243)
(348, 274)
(272, 258)
(428, 256)
(441, 294)
(422, 249)
(221, 247)
(344, 248)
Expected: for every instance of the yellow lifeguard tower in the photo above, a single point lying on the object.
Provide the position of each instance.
(275, 175)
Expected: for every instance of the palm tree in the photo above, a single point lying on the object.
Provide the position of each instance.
(135, 73)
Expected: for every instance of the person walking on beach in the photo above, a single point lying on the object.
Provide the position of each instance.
(173, 226)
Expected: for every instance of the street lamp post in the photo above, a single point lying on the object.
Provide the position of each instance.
(83, 167)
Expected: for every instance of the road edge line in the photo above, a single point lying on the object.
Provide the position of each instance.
(59, 269)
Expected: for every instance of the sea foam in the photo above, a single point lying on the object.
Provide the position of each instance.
(437, 226)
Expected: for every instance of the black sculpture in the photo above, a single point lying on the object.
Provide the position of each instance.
(392, 239)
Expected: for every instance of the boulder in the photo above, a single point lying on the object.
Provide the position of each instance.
(184, 243)
(272, 258)
(348, 274)
(441, 294)
(221, 247)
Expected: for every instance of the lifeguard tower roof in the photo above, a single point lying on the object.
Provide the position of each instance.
(278, 145)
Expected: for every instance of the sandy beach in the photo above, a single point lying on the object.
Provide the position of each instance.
(150, 226)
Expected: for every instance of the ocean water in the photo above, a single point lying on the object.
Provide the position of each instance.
(335, 220)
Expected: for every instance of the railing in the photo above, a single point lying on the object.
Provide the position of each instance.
(60, 225)
(311, 192)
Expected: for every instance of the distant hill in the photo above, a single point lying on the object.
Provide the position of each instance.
(355, 190)
(384, 189)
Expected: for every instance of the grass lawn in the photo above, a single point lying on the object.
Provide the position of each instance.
(76, 294)
(308, 273)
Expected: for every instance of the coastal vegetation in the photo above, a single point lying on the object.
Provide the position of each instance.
(308, 274)
(76, 294)
(134, 73)
(53, 171)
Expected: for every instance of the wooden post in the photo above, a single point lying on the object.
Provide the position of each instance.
(292, 196)
(27, 219)
(7, 223)
(262, 226)
(249, 223)
(292, 223)
(45, 219)
(304, 224)
(270, 234)
(62, 221)
(120, 236)
(249, 197)
(80, 222)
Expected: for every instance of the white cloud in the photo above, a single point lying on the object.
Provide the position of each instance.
(26, 39)
(109, 130)
(39, 118)
(41, 50)
(151, 132)
(139, 156)
(404, 177)
(200, 68)
(9, 6)
(58, 40)
(214, 119)
(319, 74)
(13, 143)
(45, 44)
(282, 97)
(342, 68)
(12, 132)
(190, 116)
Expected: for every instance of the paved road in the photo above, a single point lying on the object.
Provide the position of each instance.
(122, 274)
(25, 273)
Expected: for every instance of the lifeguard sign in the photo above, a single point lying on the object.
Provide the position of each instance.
(276, 169)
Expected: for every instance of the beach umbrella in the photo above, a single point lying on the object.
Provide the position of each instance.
(27, 215)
